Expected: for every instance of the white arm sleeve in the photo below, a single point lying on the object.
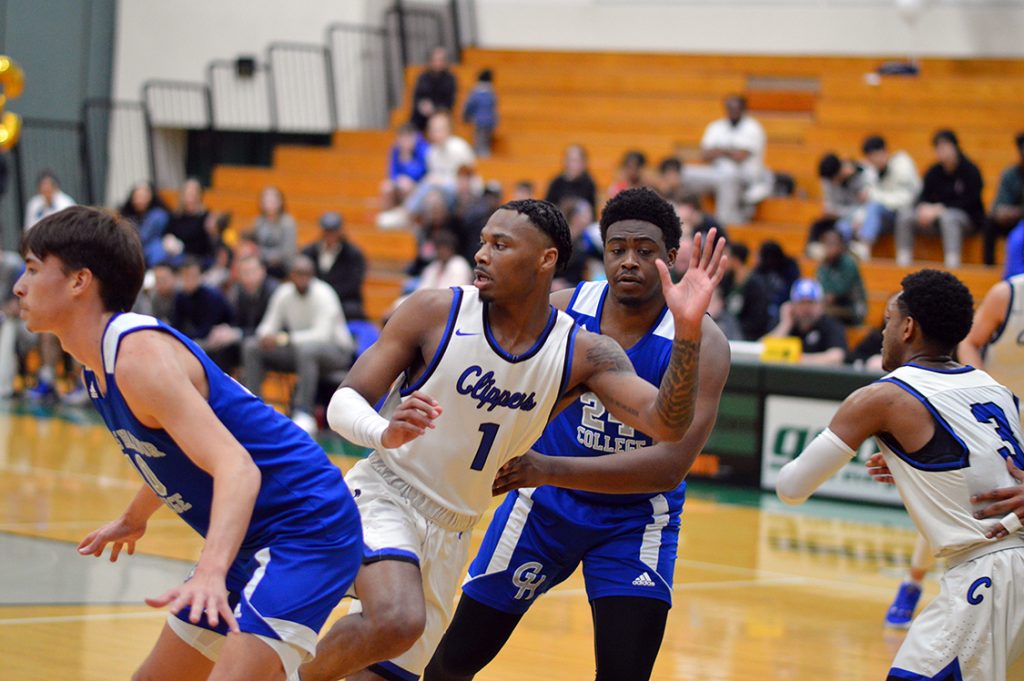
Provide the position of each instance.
(822, 459)
(352, 417)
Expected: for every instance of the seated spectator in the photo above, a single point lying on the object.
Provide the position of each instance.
(275, 232)
(893, 185)
(1008, 207)
(190, 229)
(575, 179)
(434, 90)
(448, 267)
(822, 337)
(670, 176)
(585, 252)
(844, 194)
(407, 165)
(839, 276)
(481, 110)
(523, 190)
(631, 173)
(198, 308)
(725, 319)
(867, 355)
(733, 149)
(746, 294)
(779, 272)
(249, 298)
(950, 202)
(146, 210)
(218, 274)
(304, 330)
(49, 199)
(475, 216)
(691, 214)
(435, 218)
(163, 291)
(447, 153)
(340, 263)
(469, 187)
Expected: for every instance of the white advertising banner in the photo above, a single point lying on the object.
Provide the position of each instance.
(790, 423)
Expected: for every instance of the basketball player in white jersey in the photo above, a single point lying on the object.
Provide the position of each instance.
(483, 368)
(995, 343)
(947, 432)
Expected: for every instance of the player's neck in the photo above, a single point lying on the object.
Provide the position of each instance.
(932, 360)
(82, 338)
(517, 327)
(642, 316)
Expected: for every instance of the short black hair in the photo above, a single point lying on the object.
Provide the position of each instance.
(828, 166)
(47, 174)
(670, 163)
(646, 205)
(739, 252)
(638, 157)
(485, 76)
(873, 143)
(1019, 139)
(97, 240)
(546, 217)
(946, 135)
(940, 304)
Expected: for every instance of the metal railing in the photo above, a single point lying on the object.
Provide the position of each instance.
(303, 87)
(241, 102)
(367, 76)
(117, 141)
(177, 104)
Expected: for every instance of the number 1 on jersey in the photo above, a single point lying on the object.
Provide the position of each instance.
(490, 431)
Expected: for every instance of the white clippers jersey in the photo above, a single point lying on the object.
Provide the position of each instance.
(1004, 356)
(977, 425)
(494, 405)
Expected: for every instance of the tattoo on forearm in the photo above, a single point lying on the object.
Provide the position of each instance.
(677, 396)
(606, 355)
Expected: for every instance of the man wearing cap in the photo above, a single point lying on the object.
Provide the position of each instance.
(340, 263)
(822, 336)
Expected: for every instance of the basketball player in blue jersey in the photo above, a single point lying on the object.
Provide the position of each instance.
(947, 432)
(283, 538)
(621, 520)
(483, 369)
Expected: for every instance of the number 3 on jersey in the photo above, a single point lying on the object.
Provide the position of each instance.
(986, 412)
(490, 431)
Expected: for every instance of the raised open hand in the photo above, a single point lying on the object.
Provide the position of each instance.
(689, 299)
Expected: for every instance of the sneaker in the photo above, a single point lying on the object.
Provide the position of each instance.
(77, 397)
(305, 421)
(43, 390)
(901, 612)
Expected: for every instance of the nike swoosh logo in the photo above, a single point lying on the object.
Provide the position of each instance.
(459, 332)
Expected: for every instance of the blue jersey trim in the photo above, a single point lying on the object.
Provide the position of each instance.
(453, 315)
(1006, 320)
(967, 368)
(401, 555)
(946, 466)
(951, 672)
(534, 349)
(599, 318)
(389, 671)
(566, 369)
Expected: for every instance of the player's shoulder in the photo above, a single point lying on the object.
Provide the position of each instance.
(428, 304)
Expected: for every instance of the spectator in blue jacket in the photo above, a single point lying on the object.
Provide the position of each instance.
(407, 165)
(481, 110)
(147, 212)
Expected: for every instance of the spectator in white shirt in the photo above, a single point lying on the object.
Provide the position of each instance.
(733, 149)
(447, 153)
(892, 185)
(304, 330)
(49, 199)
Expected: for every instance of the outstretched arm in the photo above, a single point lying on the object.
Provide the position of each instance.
(859, 417)
(657, 468)
(160, 380)
(665, 414)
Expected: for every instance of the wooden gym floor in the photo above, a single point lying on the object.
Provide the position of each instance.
(763, 592)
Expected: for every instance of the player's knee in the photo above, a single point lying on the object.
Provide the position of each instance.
(398, 629)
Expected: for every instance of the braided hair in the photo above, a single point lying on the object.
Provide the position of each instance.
(546, 217)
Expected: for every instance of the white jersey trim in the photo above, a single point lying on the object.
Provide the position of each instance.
(116, 328)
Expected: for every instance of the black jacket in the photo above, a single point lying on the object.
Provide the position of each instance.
(959, 189)
(345, 276)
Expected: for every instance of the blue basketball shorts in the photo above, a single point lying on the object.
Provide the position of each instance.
(539, 536)
(283, 593)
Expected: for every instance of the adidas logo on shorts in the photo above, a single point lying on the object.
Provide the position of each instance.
(644, 580)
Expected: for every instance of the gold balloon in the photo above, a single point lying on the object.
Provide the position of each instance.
(12, 78)
(10, 130)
